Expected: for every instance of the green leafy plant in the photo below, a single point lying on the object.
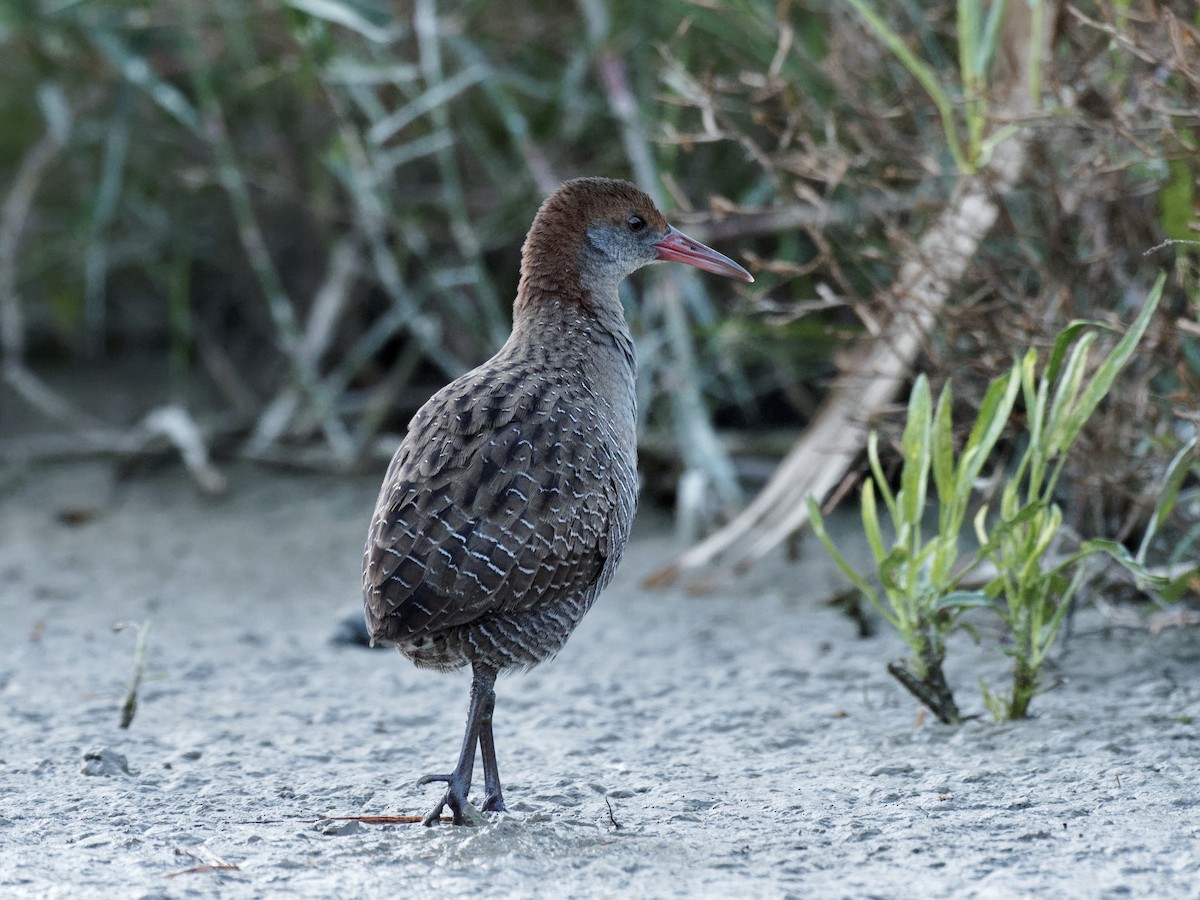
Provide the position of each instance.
(1036, 587)
(1183, 570)
(919, 577)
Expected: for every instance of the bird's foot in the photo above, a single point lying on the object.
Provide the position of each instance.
(494, 803)
(456, 798)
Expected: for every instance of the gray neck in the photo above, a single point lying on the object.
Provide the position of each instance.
(599, 271)
(580, 332)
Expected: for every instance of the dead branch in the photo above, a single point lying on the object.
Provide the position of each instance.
(162, 430)
(177, 426)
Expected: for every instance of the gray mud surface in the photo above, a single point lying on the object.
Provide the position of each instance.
(741, 743)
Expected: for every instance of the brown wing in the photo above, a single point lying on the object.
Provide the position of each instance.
(506, 493)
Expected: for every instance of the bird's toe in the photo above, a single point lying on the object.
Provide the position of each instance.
(432, 779)
(463, 811)
(435, 814)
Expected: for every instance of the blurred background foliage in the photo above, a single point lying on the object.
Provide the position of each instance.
(296, 219)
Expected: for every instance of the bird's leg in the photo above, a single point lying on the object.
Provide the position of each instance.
(493, 800)
(458, 782)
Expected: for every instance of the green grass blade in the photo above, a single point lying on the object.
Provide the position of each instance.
(819, 529)
(994, 413)
(1042, 639)
(1120, 554)
(915, 446)
(985, 50)
(1176, 472)
(1066, 395)
(960, 601)
(1182, 584)
(967, 31)
(870, 519)
(924, 75)
(943, 448)
(351, 16)
(981, 533)
(139, 72)
(885, 492)
(1107, 373)
(1063, 342)
(1035, 405)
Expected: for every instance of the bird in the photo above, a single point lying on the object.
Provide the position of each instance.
(507, 506)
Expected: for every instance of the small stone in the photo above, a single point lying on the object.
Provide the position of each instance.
(891, 769)
(108, 763)
(336, 827)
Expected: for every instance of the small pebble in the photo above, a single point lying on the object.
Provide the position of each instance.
(336, 828)
(104, 762)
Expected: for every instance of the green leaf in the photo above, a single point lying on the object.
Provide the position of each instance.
(990, 39)
(1066, 392)
(995, 703)
(818, 527)
(914, 445)
(989, 144)
(1035, 415)
(1063, 342)
(137, 70)
(993, 416)
(1043, 640)
(901, 591)
(1120, 554)
(368, 19)
(1045, 527)
(981, 527)
(1006, 527)
(880, 480)
(968, 39)
(943, 448)
(870, 519)
(1180, 585)
(1106, 374)
(957, 601)
(1176, 472)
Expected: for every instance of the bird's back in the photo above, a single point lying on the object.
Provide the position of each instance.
(507, 507)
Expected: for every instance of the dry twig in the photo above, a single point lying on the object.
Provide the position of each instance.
(217, 864)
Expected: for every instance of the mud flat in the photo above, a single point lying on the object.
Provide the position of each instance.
(742, 742)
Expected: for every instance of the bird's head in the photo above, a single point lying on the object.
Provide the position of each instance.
(596, 231)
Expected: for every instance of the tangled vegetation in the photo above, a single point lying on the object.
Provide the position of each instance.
(305, 214)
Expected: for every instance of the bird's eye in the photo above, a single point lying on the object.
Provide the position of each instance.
(635, 223)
